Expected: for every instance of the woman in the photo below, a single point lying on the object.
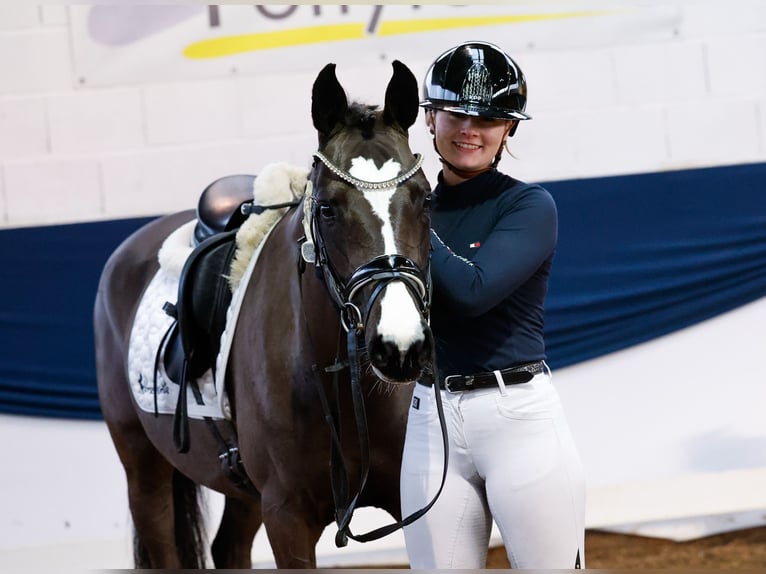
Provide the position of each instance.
(511, 457)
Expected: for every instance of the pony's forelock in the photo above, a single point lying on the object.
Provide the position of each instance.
(363, 116)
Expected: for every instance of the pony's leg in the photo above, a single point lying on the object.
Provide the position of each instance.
(232, 547)
(164, 505)
(292, 536)
(150, 496)
(160, 498)
(150, 484)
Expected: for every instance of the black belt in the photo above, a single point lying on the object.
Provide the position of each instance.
(510, 376)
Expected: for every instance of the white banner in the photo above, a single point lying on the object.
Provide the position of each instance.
(118, 44)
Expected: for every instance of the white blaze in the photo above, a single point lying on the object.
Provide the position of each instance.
(400, 321)
(380, 199)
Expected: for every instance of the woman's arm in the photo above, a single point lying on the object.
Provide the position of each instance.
(523, 238)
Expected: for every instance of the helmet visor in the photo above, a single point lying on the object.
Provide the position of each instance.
(475, 110)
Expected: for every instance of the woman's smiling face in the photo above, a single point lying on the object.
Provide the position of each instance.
(467, 142)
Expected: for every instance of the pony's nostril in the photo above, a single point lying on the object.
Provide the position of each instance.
(398, 364)
(382, 354)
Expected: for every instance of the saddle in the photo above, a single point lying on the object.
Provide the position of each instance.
(193, 340)
(220, 205)
(192, 343)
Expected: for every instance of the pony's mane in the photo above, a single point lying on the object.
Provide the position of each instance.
(362, 116)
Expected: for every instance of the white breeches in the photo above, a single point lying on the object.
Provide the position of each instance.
(511, 459)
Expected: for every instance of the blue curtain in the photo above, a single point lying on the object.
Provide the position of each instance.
(47, 291)
(639, 256)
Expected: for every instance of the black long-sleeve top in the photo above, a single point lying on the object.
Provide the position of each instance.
(493, 240)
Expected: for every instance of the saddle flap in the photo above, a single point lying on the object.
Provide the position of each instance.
(204, 296)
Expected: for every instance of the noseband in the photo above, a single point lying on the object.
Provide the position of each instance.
(378, 272)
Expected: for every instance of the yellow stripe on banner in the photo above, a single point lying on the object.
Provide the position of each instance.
(414, 26)
(230, 45)
(227, 46)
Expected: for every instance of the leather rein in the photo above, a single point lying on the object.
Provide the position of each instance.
(378, 273)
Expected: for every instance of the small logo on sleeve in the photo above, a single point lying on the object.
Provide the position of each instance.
(475, 245)
(416, 403)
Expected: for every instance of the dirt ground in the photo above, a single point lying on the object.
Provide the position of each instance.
(741, 549)
(604, 550)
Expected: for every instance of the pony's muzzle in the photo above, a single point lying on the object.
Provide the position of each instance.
(394, 363)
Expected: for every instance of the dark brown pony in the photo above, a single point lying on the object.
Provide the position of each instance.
(370, 229)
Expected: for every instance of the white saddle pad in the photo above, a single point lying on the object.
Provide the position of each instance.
(151, 323)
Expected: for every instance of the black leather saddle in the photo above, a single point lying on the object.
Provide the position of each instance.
(220, 205)
(204, 295)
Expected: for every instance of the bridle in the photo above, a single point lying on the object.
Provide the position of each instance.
(377, 273)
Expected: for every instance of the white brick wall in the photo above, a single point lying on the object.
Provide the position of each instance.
(23, 15)
(55, 15)
(52, 190)
(69, 152)
(727, 132)
(662, 72)
(620, 140)
(280, 96)
(23, 127)
(762, 124)
(737, 64)
(95, 122)
(34, 60)
(191, 112)
(576, 80)
(3, 210)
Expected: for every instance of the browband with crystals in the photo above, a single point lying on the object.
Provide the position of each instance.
(361, 184)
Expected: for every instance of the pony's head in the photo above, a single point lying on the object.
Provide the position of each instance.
(369, 220)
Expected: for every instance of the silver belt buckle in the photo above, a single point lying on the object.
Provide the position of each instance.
(468, 382)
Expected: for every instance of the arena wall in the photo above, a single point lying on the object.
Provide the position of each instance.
(689, 95)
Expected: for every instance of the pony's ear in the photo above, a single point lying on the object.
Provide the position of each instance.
(401, 97)
(328, 101)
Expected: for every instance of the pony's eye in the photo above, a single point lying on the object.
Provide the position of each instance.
(326, 211)
(427, 201)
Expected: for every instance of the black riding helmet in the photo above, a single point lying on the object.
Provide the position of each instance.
(477, 79)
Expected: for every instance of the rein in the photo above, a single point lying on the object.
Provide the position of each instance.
(379, 272)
